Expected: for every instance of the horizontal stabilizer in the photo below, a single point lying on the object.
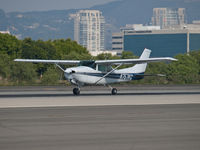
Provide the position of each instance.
(158, 75)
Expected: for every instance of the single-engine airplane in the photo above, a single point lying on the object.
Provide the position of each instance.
(100, 72)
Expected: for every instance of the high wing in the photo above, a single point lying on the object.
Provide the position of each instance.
(66, 62)
(134, 61)
(102, 62)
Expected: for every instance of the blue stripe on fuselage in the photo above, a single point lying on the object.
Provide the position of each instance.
(125, 76)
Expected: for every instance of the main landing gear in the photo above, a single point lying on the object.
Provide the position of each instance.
(113, 90)
(76, 91)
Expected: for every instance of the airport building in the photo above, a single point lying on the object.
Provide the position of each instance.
(165, 42)
(89, 29)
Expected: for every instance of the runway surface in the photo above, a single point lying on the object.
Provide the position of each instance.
(138, 118)
(98, 96)
(150, 127)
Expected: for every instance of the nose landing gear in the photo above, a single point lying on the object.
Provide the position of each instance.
(76, 91)
(114, 91)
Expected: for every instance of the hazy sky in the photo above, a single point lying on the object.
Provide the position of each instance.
(30, 5)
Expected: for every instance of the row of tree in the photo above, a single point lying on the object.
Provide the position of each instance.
(185, 71)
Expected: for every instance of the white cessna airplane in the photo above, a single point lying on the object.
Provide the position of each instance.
(100, 72)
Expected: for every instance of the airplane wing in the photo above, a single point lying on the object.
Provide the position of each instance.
(134, 61)
(66, 62)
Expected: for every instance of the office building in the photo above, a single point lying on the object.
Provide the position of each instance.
(89, 30)
(117, 42)
(163, 43)
(118, 38)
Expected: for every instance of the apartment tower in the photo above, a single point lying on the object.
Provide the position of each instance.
(89, 29)
(168, 17)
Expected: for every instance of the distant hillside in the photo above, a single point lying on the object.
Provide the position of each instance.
(57, 24)
(41, 25)
(140, 11)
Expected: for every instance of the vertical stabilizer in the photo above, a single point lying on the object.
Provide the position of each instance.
(146, 54)
(140, 68)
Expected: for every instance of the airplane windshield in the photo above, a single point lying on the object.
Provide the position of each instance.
(88, 63)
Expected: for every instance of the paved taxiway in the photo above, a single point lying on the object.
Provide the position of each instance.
(150, 127)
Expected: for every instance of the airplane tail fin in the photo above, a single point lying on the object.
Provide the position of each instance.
(140, 68)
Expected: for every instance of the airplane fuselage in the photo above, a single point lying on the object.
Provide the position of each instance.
(87, 75)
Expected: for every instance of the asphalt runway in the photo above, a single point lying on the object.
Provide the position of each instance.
(98, 96)
(150, 127)
(98, 100)
(138, 118)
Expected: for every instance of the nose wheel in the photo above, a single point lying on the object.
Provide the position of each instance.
(114, 91)
(76, 91)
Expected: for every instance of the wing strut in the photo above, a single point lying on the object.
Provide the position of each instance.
(108, 73)
(59, 67)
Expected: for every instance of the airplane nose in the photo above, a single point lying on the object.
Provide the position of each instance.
(69, 74)
(69, 71)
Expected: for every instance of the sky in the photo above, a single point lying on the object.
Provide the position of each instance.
(40, 5)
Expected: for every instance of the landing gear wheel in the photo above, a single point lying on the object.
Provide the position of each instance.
(114, 91)
(76, 91)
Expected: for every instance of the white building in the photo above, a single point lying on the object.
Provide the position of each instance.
(5, 32)
(138, 27)
(168, 17)
(89, 29)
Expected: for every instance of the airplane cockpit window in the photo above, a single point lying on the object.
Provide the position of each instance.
(88, 63)
(104, 68)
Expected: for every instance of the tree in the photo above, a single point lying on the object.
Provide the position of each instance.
(184, 71)
(196, 56)
(69, 47)
(4, 65)
(128, 55)
(10, 45)
(103, 56)
(37, 49)
(22, 72)
(51, 76)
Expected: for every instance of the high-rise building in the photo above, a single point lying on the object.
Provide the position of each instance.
(168, 17)
(89, 29)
